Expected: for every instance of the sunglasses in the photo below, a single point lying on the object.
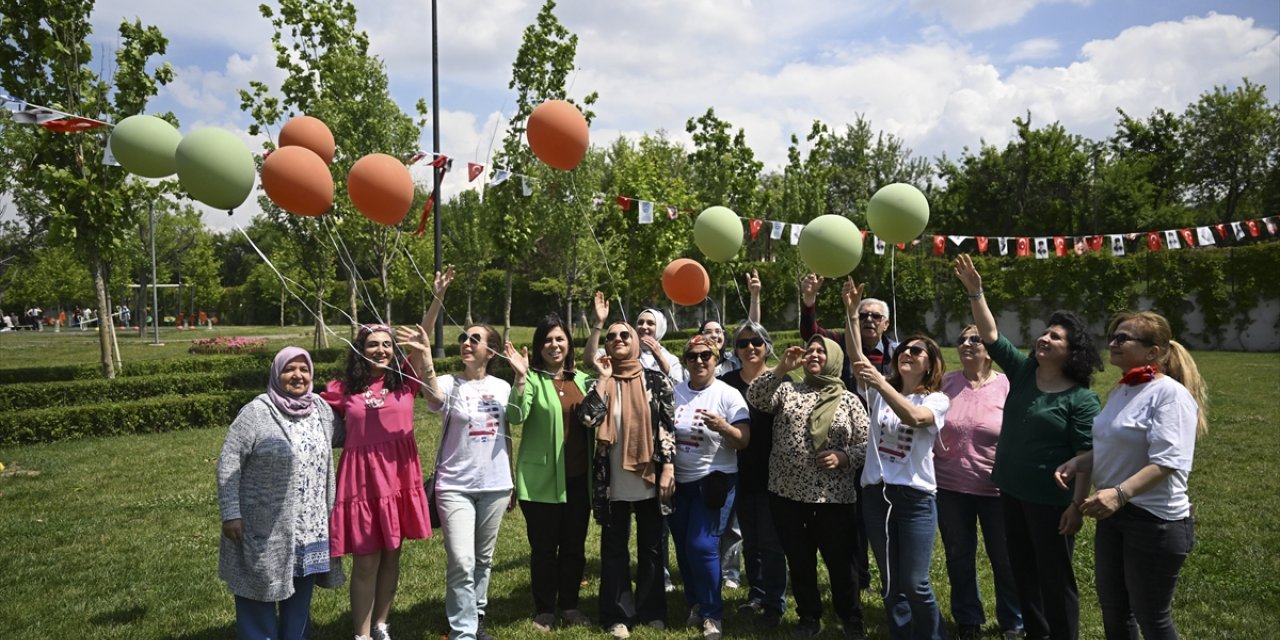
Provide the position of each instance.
(743, 343)
(914, 350)
(694, 356)
(870, 315)
(1121, 338)
(975, 340)
(620, 335)
(475, 338)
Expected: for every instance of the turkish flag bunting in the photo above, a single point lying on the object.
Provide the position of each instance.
(755, 228)
(474, 170)
(982, 244)
(901, 246)
(1095, 243)
(1188, 237)
(439, 161)
(1252, 226)
(939, 245)
(1060, 246)
(1024, 247)
(1153, 240)
(71, 125)
(426, 214)
(1222, 230)
(624, 202)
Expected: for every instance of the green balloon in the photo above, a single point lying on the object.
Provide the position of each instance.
(145, 146)
(216, 168)
(831, 246)
(718, 233)
(898, 213)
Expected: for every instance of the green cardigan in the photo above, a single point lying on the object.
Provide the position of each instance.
(540, 466)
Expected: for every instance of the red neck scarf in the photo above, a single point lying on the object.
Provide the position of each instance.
(1140, 375)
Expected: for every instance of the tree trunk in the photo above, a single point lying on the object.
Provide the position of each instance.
(506, 312)
(104, 311)
(351, 300)
(386, 293)
(470, 294)
(282, 301)
(141, 305)
(322, 339)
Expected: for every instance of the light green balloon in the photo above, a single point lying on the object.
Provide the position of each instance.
(831, 246)
(145, 146)
(718, 233)
(898, 213)
(216, 168)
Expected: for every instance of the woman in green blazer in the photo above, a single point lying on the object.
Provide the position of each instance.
(552, 470)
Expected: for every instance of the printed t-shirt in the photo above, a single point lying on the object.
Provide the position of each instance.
(699, 450)
(899, 454)
(474, 450)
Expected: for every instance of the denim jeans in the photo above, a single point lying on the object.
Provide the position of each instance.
(900, 524)
(958, 517)
(1138, 556)
(696, 530)
(260, 620)
(471, 523)
(764, 560)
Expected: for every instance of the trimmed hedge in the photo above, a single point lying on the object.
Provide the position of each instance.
(152, 415)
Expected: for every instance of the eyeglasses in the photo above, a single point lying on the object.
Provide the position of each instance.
(870, 315)
(475, 338)
(743, 343)
(915, 350)
(1120, 338)
(969, 340)
(620, 335)
(694, 356)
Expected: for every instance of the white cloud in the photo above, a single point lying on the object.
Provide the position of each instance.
(970, 16)
(1034, 49)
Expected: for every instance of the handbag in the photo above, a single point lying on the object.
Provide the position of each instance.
(715, 489)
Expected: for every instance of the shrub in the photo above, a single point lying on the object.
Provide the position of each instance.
(152, 415)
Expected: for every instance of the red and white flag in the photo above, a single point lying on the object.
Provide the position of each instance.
(72, 125)
(1153, 241)
(473, 171)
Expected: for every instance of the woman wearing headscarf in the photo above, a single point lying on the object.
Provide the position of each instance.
(631, 408)
(1048, 419)
(1143, 446)
(819, 438)
(275, 492)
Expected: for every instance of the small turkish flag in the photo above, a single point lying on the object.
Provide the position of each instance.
(71, 125)
(474, 170)
(426, 214)
(1060, 246)
(1252, 226)
(624, 202)
(1188, 237)
(1153, 241)
(982, 244)
(1222, 230)
(755, 228)
(939, 245)
(1024, 247)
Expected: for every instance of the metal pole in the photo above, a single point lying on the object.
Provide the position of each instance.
(437, 350)
(155, 291)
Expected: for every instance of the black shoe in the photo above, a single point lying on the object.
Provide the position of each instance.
(751, 607)
(968, 632)
(854, 631)
(769, 619)
(807, 628)
(481, 634)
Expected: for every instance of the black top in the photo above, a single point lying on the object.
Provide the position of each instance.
(753, 460)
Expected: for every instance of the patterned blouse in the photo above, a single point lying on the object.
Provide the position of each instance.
(311, 520)
(793, 472)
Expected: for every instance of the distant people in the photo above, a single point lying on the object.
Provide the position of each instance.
(1143, 446)
(1048, 419)
(126, 318)
(275, 494)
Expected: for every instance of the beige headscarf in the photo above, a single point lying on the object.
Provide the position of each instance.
(627, 416)
(830, 388)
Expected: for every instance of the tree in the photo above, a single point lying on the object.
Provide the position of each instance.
(539, 73)
(45, 58)
(1230, 145)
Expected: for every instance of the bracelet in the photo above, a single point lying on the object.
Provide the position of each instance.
(1124, 499)
(975, 296)
(597, 328)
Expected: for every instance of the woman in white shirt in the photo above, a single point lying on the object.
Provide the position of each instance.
(1143, 445)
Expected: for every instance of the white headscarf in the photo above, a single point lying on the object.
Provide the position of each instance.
(659, 322)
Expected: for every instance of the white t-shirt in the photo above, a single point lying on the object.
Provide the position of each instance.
(899, 454)
(699, 450)
(474, 450)
(1152, 423)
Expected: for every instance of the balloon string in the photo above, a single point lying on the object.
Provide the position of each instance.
(893, 280)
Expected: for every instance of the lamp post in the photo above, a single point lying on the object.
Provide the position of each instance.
(437, 173)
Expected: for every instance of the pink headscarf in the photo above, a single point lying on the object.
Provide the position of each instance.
(301, 406)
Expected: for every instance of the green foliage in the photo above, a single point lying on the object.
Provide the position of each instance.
(152, 415)
(1230, 137)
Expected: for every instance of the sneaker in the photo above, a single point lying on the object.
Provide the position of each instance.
(544, 621)
(670, 587)
(769, 620)
(751, 607)
(575, 618)
(620, 631)
(694, 618)
(730, 583)
(656, 625)
(710, 629)
(381, 631)
(807, 628)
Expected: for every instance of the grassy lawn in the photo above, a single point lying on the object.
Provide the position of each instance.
(118, 537)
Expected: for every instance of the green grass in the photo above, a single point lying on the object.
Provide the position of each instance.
(118, 537)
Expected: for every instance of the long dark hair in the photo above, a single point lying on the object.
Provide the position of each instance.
(492, 341)
(359, 371)
(1083, 358)
(549, 322)
(932, 379)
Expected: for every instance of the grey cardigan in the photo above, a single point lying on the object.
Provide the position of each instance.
(256, 484)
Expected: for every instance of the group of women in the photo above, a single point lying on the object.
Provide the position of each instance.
(682, 444)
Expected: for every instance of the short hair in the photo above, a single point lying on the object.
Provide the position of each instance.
(882, 303)
(932, 380)
(540, 333)
(1083, 358)
(756, 328)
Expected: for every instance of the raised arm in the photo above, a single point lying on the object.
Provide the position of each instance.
(438, 289)
(912, 415)
(753, 286)
(601, 307)
(972, 281)
(809, 286)
(417, 340)
(851, 293)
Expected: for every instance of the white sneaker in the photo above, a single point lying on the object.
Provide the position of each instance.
(620, 631)
(382, 631)
(730, 583)
(544, 622)
(710, 629)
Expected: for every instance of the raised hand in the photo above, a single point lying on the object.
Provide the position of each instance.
(519, 360)
(601, 305)
(414, 337)
(852, 294)
(791, 359)
(604, 366)
(968, 274)
(809, 286)
(753, 283)
(868, 374)
(442, 282)
(651, 344)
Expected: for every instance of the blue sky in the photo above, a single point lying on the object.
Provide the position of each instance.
(942, 74)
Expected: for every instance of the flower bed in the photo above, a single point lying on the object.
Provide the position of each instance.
(228, 345)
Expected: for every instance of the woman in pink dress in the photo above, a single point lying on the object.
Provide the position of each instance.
(380, 499)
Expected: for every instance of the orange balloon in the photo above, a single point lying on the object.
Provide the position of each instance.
(305, 131)
(298, 181)
(685, 282)
(381, 188)
(557, 134)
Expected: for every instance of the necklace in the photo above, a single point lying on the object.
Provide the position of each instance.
(374, 402)
(559, 385)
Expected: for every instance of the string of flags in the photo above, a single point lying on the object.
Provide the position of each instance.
(52, 119)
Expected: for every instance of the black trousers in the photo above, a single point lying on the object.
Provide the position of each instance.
(861, 546)
(618, 603)
(1041, 561)
(557, 539)
(806, 530)
(1138, 557)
